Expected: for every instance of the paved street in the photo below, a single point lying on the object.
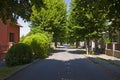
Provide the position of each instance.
(64, 64)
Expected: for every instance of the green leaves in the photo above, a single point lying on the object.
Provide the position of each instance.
(51, 19)
(39, 44)
(88, 18)
(13, 9)
(19, 54)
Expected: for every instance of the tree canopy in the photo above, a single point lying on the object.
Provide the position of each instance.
(13, 9)
(88, 19)
(52, 19)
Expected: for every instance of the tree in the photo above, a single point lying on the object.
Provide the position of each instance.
(13, 9)
(113, 16)
(52, 19)
(88, 19)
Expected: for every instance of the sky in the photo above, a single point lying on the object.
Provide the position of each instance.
(25, 29)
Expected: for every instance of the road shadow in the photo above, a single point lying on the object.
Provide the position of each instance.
(77, 52)
(58, 51)
(60, 46)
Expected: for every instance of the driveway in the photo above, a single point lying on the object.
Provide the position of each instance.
(65, 64)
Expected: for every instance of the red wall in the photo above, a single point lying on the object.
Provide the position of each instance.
(16, 30)
(5, 30)
(3, 33)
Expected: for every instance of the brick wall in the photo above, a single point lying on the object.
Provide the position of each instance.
(116, 52)
(3, 49)
(117, 47)
(109, 46)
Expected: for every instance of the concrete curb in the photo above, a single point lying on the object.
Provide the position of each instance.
(21, 69)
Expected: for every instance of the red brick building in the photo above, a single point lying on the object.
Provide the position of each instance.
(9, 34)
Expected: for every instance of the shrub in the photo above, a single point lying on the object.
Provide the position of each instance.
(93, 53)
(39, 43)
(19, 54)
(22, 38)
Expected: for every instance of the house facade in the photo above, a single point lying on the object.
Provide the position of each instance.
(9, 34)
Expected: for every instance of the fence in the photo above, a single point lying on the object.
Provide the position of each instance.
(113, 49)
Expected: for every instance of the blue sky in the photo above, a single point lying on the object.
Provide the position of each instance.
(25, 29)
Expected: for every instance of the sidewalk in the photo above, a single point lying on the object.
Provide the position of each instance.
(106, 57)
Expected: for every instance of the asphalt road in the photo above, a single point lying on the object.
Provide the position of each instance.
(64, 64)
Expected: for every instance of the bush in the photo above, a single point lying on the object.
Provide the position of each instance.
(92, 53)
(39, 43)
(19, 54)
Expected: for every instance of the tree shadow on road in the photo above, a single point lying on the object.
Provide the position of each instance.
(58, 51)
(77, 52)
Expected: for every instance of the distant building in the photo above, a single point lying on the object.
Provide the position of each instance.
(9, 34)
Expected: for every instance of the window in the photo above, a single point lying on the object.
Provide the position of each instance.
(11, 37)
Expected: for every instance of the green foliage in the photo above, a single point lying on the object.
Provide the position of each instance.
(86, 19)
(13, 9)
(107, 40)
(19, 54)
(5, 71)
(93, 53)
(37, 30)
(52, 19)
(94, 17)
(22, 38)
(39, 43)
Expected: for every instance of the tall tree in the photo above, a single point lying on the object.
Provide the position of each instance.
(51, 19)
(88, 19)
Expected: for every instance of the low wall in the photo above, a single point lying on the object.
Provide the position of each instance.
(113, 50)
(117, 54)
(109, 52)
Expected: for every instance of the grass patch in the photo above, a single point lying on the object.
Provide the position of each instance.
(5, 71)
(109, 61)
(73, 46)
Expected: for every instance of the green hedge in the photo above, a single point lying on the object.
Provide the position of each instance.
(39, 43)
(19, 54)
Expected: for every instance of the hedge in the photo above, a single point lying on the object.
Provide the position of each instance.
(39, 43)
(19, 54)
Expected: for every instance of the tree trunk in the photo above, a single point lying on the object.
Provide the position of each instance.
(77, 44)
(87, 47)
(55, 44)
(61, 43)
(102, 46)
(96, 45)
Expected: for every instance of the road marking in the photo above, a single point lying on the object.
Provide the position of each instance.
(67, 63)
(65, 79)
